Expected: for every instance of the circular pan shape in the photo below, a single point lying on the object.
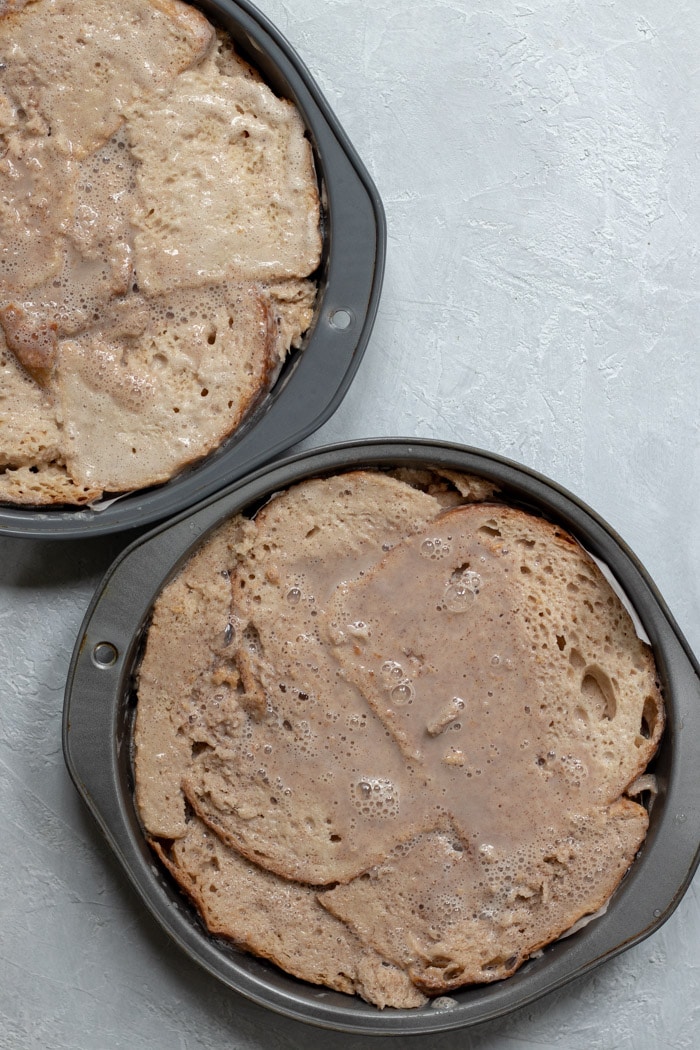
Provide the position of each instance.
(97, 727)
(315, 378)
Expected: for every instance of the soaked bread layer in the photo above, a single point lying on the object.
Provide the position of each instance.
(424, 703)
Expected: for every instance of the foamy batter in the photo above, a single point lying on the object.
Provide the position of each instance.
(159, 222)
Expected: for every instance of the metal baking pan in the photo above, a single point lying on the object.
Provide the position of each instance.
(314, 379)
(99, 706)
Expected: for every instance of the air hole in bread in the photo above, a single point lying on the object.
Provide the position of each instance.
(166, 845)
(576, 660)
(490, 529)
(452, 972)
(199, 747)
(599, 694)
(251, 639)
(649, 719)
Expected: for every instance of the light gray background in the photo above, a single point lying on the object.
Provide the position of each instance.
(538, 163)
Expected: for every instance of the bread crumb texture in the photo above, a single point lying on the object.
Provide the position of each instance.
(159, 229)
(406, 714)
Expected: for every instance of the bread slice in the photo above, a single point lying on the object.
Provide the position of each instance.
(450, 913)
(272, 810)
(47, 485)
(225, 184)
(507, 609)
(138, 408)
(281, 921)
(28, 429)
(187, 691)
(421, 710)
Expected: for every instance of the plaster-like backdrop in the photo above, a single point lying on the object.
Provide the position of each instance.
(538, 164)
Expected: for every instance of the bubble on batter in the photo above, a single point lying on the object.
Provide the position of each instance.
(376, 797)
(402, 693)
(434, 548)
(461, 590)
(359, 629)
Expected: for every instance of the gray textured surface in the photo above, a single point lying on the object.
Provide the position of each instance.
(538, 165)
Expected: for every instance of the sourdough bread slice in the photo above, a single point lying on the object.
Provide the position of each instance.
(280, 921)
(450, 913)
(302, 812)
(492, 628)
(225, 183)
(137, 408)
(186, 688)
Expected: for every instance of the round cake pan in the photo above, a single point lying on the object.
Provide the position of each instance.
(315, 378)
(99, 707)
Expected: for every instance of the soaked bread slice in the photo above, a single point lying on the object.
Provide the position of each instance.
(44, 485)
(59, 104)
(423, 709)
(139, 407)
(30, 434)
(253, 908)
(450, 912)
(226, 186)
(299, 709)
(187, 693)
(290, 696)
(513, 608)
